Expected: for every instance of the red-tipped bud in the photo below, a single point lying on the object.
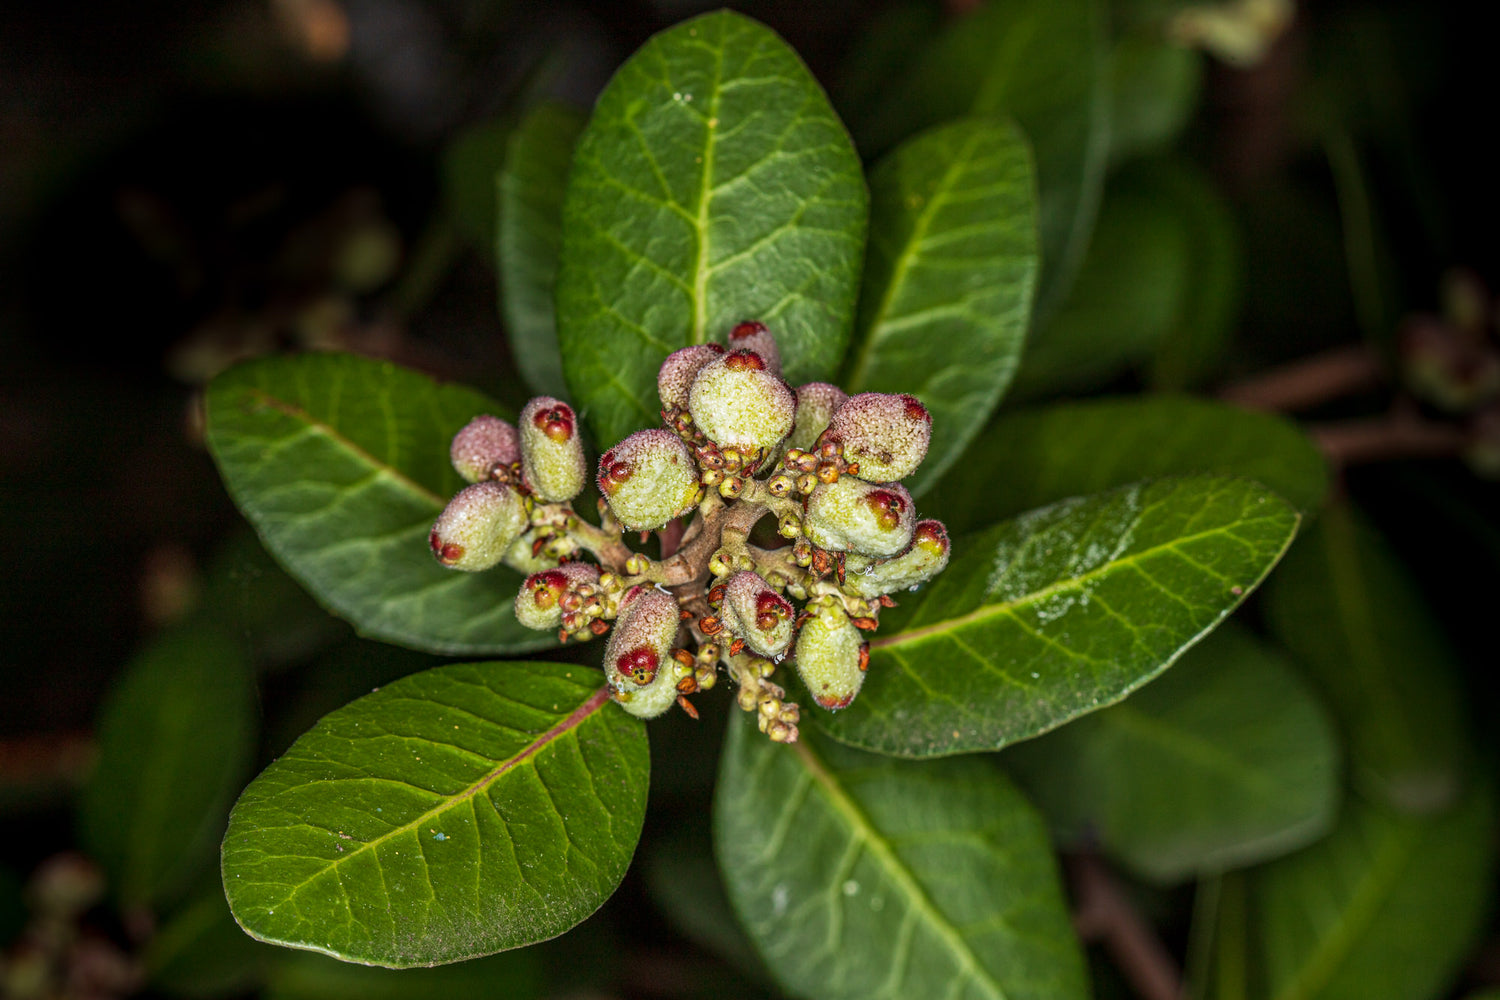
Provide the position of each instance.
(753, 336)
(886, 434)
(816, 404)
(757, 614)
(484, 443)
(638, 661)
(551, 451)
(925, 558)
(737, 403)
(850, 515)
(831, 653)
(539, 602)
(676, 375)
(477, 526)
(648, 479)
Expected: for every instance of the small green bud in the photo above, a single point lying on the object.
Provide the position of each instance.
(886, 434)
(753, 336)
(738, 403)
(638, 661)
(831, 656)
(526, 556)
(817, 402)
(539, 602)
(924, 559)
(850, 515)
(757, 614)
(675, 377)
(648, 479)
(477, 527)
(552, 463)
(484, 443)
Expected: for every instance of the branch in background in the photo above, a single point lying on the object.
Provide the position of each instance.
(1104, 913)
(1304, 384)
(1402, 434)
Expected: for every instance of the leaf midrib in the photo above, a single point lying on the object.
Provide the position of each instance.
(576, 718)
(701, 269)
(866, 831)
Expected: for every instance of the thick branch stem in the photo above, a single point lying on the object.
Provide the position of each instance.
(1304, 384)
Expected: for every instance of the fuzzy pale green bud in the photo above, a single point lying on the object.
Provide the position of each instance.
(539, 601)
(638, 659)
(648, 479)
(757, 614)
(675, 377)
(924, 559)
(816, 404)
(831, 656)
(485, 443)
(886, 434)
(753, 336)
(739, 403)
(851, 515)
(477, 527)
(552, 462)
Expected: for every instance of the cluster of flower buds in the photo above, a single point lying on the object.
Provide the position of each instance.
(739, 445)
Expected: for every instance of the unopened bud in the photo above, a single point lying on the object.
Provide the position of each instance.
(739, 403)
(924, 559)
(757, 614)
(539, 604)
(887, 435)
(850, 515)
(551, 451)
(675, 378)
(816, 404)
(638, 661)
(484, 443)
(753, 336)
(478, 526)
(648, 479)
(831, 655)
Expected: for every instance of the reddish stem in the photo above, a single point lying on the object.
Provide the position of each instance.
(1306, 383)
(1104, 913)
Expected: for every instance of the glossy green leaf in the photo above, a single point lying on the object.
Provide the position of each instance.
(863, 877)
(948, 279)
(454, 813)
(1347, 610)
(713, 184)
(1044, 63)
(1387, 906)
(1226, 760)
(175, 740)
(1159, 287)
(531, 184)
(1041, 455)
(1059, 612)
(341, 464)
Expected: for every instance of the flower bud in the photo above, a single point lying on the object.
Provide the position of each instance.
(753, 336)
(923, 560)
(831, 656)
(676, 375)
(551, 453)
(756, 613)
(638, 659)
(648, 479)
(538, 602)
(816, 404)
(484, 443)
(886, 434)
(850, 515)
(738, 403)
(478, 525)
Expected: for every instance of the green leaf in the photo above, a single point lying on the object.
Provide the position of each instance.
(341, 464)
(864, 877)
(1225, 761)
(1060, 612)
(175, 740)
(454, 813)
(1347, 610)
(713, 184)
(470, 164)
(1038, 456)
(1387, 906)
(199, 951)
(1044, 63)
(1161, 278)
(531, 187)
(1154, 88)
(949, 278)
